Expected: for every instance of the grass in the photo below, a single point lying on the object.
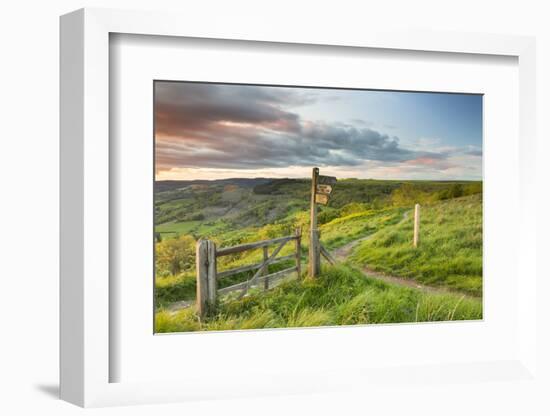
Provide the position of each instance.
(449, 255)
(450, 249)
(189, 227)
(177, 227)
(343, 230)
(171, 289)
(340, 296)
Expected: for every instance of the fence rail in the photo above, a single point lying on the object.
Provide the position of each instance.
(251, 246)
(250, 267)
(271, 276)
(208, 276)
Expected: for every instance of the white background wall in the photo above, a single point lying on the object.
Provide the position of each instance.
(29, 58)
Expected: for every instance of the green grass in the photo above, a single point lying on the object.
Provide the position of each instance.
(340, 296)
(172, 229)
(171, 289)
(342, 230)
(177, 227)
(450, 253)
(450, 249)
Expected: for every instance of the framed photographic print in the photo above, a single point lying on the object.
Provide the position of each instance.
(333, 204)
(239, 202)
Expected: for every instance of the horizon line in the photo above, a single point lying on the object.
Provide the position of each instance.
(308, 178)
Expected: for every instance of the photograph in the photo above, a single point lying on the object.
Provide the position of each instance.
(279, 206)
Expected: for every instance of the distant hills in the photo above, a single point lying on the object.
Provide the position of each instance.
(161, 186)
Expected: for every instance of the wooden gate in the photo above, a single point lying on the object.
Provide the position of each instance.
(207, 274)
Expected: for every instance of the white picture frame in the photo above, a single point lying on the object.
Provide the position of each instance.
(85, 211)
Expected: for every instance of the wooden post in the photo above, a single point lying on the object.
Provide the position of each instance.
(212, 278)
(416, 225)
(317, 252)
(298, 233)
(265, 268)
(201, 258)
(206, 276)
(314, 254)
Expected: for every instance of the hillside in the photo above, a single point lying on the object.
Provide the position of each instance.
(369, 221)
(450, 250)
(207, 208)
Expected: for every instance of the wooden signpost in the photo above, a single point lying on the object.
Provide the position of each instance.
(326, 180)
(321, 188)
(321, 199)
(324, 189)
(314, 263)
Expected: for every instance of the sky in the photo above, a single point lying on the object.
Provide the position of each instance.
(217, 131)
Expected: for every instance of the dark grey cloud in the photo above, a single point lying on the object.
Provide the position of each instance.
(246, 127)
(180, 107)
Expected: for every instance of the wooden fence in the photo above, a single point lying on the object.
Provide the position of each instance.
(208, 275)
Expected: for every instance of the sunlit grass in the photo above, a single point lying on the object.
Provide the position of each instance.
(342, 230)
(340, 296)
(450, 249)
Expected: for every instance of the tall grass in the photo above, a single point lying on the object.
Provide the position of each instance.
(340, 296)
(450, 249)
(343, 230)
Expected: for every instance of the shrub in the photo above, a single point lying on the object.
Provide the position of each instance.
(409, 194)
(175, 255)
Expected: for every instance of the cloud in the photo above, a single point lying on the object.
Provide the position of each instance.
(184, 107)
(473, 151)
(215, 126)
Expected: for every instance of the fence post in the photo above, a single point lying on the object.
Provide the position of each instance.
(298, 233)
(416, 225)
(212, 278)
(201, 258)
(264, 269)
(206, 276)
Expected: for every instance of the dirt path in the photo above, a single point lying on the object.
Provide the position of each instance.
(342, 253)
(178, 306)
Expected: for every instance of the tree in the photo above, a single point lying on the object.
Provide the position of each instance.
(174, 255)
(408, 194)
(456, 190)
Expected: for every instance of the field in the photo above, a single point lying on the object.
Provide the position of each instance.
(450, 250)
(367, 226)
